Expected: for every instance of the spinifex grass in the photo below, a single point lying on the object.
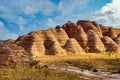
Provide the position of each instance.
(28, 72)
(108, 61)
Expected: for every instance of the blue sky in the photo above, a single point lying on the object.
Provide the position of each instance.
(18, 17)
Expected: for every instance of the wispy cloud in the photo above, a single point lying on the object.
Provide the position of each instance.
(21, 12)
(34, 6)
(5, 33)
(68, 6)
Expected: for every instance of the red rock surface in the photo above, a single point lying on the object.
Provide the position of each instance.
(90, 25)
(94, 42)
(110, 45)
(72, 46)
(11, 54)
(117, 40)
(76, 31)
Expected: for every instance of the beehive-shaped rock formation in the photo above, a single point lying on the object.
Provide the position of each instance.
(33, 44)
(94, 42)
(111, 33)
(76, 31)
(110, 45)
(51, 44)
(72, 46)
(11, 54)
(61, 35)
(88, 25)
(117, 40)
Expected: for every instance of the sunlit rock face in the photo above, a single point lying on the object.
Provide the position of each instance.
(32, 44)
(110, 45)
(94, 42)
(61, 35)
(90, 25)
(52, 44)
(43, 42)
(76, 31)
(110, 31)
(117, 40)
(11, 54)
(72, 46)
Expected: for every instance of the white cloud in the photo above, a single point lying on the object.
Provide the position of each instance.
(109, 14)
(11, 11)
(51, 23)
(5, 33)
(34, 6)
(67, 6)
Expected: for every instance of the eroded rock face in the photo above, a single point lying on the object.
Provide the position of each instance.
(117, 40)
(61, 35)
(94, 42)
(72, 46)
(111, 33)
(90, 25)
(51, 44)
(110, 45)
(33, 43)
(25, 42)
(52, 41)
(11, 54)
(76, 31)
(82, 37)
(43, 42)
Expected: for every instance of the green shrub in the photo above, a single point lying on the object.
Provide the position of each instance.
(95, 70)
(33, 63)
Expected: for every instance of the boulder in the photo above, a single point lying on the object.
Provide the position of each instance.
(72, 46)
(110, 45)
(94, 42)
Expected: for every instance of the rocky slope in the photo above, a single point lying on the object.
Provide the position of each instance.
(73, 38)
(11, 53)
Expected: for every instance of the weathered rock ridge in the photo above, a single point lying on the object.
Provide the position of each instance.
(80, 37)
(11, 53)
(71, 38)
